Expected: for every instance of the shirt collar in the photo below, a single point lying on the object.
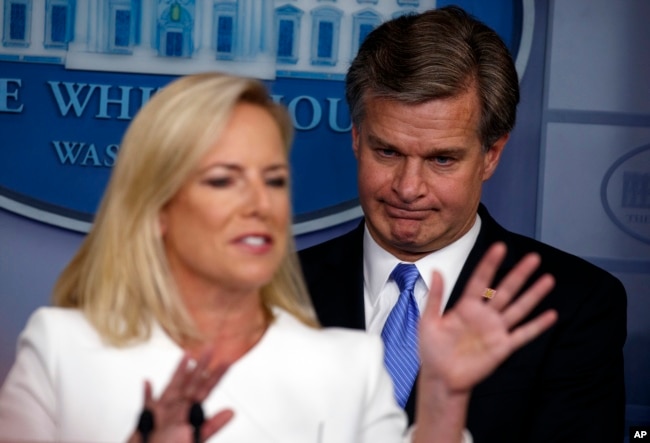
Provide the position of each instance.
(379, 263)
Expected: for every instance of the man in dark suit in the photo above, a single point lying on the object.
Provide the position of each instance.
(433, 99)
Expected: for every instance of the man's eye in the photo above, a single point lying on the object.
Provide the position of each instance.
(387, 152)
(442, 160)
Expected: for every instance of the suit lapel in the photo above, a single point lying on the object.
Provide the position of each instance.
(490, 233)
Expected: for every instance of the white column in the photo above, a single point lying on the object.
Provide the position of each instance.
(94, 25)
(80, 37)
(148, 22)
(204, 31)
(255, 28)
(245, 19)
(37, 29)
(267, 44)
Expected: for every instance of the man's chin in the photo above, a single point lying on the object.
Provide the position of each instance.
(400, 234)
(405, 230)
(405, 239)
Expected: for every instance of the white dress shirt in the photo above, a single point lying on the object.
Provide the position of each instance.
(381, 293)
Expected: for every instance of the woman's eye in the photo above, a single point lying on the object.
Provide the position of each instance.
(277, 182)
(219, 182)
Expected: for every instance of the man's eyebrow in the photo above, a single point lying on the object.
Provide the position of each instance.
(449, 151)
(377, 142)
(446, 152)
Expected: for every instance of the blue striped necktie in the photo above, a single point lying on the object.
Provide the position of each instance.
(400, 334)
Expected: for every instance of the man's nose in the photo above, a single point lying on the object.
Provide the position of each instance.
(408, 182)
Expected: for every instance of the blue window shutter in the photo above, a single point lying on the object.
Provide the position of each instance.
(59, 24)
(122, 28)
(325, 37)
(224, 36)
(285, 41)
(18, 17)
(364, 30)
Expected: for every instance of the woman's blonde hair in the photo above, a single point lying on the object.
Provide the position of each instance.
(120, 277)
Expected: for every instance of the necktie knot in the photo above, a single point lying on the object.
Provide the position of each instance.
(405, 275)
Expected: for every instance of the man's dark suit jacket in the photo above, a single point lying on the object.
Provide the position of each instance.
(566, 386)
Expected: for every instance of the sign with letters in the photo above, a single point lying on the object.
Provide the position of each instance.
(639, 433)
(74, 73)
(625, 193)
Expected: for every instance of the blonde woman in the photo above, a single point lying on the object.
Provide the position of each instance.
(187, 289)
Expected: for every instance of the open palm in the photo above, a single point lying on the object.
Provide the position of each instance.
(468, 342)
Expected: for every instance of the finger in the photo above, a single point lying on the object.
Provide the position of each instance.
(197, 375)
(515, 280)
(146, 420)
(484, 272)
(518, 310)
(173, 390)
(148, 395)
(530, 330)
(434, 300)
(210, 379)
(214, 424)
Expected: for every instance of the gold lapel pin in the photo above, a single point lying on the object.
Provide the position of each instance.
(489, 293)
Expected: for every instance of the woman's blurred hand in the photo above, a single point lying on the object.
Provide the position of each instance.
(191, 383)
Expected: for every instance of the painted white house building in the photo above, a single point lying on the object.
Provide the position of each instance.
(259, 38)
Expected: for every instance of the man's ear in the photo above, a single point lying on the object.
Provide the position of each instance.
(356, 134)
(493, 155)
